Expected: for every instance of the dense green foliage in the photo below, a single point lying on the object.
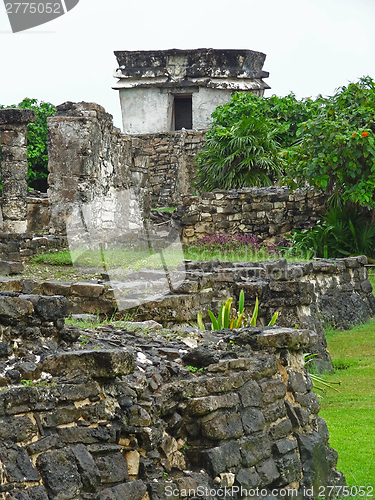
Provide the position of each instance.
(285, 113)
(336, 149)
(336, 153)
(37, 141)
(247, 138)
(327, 143)
(343, 231)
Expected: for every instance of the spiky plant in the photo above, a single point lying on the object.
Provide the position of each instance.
(243, 155)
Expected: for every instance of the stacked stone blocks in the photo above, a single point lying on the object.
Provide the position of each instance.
(13, 137)
(265, 212)
(171, 164)
(98, 423)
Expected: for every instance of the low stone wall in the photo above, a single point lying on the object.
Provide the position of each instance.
(18, 246)
(265, 212)
(171, 164)
(322, 292)
(313, 294)
(126, 416)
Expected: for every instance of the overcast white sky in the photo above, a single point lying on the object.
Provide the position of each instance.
(312, 46)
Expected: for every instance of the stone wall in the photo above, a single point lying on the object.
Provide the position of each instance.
(38, 213)
(18, 246)
(94, 183)
(127, 416)
(13, 137)
(313, 294)
(264, 212)
(171, 164)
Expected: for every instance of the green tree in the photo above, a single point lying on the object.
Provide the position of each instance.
(336, 150)
(37, 141)
(246, 139)
(286, 113)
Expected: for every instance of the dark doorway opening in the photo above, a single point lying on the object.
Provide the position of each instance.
(183, 112)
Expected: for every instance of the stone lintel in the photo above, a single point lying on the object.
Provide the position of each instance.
(15, 116)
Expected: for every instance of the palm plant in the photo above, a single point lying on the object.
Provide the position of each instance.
(245, 154)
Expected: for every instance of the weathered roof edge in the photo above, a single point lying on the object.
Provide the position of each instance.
(200, 67)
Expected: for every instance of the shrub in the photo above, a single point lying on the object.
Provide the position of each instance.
(225, 243)
(336, 147)
(343, 231)
(245, 154)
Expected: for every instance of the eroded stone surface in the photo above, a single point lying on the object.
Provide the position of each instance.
(96, 430)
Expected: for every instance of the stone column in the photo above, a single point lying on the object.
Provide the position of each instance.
(13, 138)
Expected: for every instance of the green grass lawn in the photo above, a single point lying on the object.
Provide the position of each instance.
(350, 414)
(371, 276)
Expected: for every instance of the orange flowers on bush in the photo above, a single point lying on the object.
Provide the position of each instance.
(353, 134)
(364, 134)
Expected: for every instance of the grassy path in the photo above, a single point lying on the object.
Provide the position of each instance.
(350, 415)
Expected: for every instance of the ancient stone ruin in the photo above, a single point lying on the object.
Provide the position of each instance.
(143, 412)
(267, 212)
(135, 416)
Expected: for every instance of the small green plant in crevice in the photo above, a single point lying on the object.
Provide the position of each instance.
(194, 369)
(27, 382)
(319, 383)
(37, 383)
(229, 318)
(83, 340)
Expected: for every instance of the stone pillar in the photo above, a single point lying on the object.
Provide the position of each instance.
(13, 138)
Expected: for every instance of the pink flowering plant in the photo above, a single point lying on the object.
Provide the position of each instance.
(240, 246)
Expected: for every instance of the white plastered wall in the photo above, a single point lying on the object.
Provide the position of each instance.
(204, 104)
(145, 111)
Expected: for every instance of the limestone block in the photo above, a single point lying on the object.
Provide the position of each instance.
(16, 464)
(113, 467)
(248, 478)
(15, 307)
(132, 459)
(55, 466)
(14, 116)
(87, 289)
(202, 406)
(218, 425)
(106, 364)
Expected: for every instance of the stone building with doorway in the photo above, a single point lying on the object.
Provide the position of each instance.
(164, 91)
(167, 98)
